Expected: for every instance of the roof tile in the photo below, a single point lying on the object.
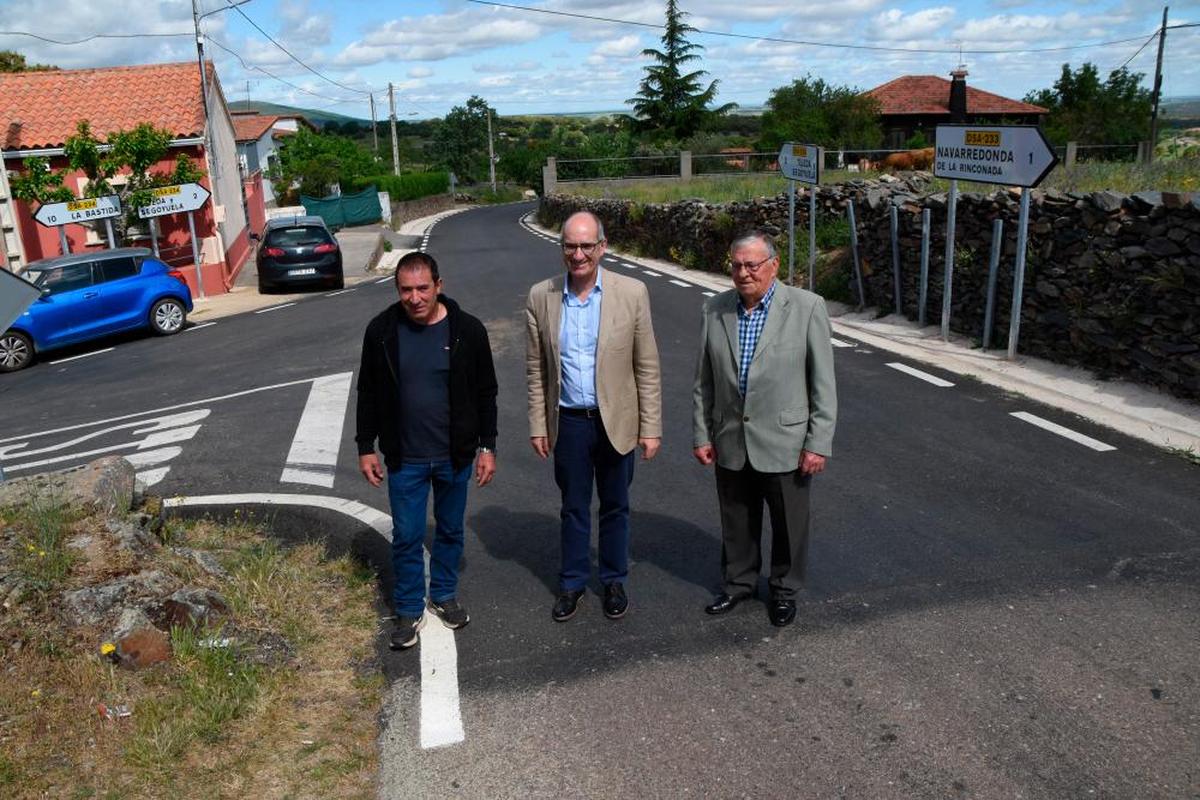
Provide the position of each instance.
(929, 94)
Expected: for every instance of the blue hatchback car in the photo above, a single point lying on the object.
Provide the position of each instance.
(89, 295)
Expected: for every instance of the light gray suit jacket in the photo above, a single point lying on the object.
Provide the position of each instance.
(791, 397)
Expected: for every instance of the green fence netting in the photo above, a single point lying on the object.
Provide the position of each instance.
(349, 209)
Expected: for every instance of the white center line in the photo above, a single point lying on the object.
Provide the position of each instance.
(630, 266)
(273, 308)
(709, 294)
(388, 279)
(652, 274)
(681, 283)
(84, 355)
(340, 291)
(200, 326)
(840, 343)
(314, 453)
(1054, 427)
(916, 373)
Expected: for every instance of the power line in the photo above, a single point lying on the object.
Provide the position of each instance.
(293, 57)
(249, 67)
(779, 40)
(93, 36)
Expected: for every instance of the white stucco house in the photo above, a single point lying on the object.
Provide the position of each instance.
(258, 138)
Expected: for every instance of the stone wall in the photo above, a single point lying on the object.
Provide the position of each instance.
(1112, 282)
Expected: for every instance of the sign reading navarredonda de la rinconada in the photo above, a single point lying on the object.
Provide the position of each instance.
(1013, 155)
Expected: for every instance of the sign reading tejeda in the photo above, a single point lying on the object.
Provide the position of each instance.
(175, 199)
(1013, 155)
(801, 162)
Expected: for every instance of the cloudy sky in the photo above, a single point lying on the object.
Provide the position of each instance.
(438, 53)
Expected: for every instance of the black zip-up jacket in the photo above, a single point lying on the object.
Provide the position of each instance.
(472, 387)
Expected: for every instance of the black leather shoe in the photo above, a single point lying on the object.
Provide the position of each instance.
(615, 601)
(724, 602)
(781, 611)
(566, 605)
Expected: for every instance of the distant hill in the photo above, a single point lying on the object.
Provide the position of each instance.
(318, 118)
(1181, 107)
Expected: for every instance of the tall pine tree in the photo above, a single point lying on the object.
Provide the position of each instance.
(669, 103)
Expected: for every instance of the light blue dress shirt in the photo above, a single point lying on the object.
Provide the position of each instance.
(578, 334)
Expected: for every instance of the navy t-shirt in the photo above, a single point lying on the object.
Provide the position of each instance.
(424, 362)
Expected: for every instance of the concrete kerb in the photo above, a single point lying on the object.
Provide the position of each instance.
(1134, 410)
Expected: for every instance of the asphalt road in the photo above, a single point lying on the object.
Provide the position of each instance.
(993, 610)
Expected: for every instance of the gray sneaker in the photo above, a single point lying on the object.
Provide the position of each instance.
(453, 615)
(407, 632)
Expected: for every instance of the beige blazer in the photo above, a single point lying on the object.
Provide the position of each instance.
(628, 385)
(791, 399)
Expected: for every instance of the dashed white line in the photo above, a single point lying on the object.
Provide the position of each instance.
(83, 355)
(273, 308)
(709, 294)
(1054, 427)
(840, 343)
(200, 326)
(629, 266)
(314, 453)
(916, 373)
(340, 291)
(652, 274)
(681, 283)
(388, 279)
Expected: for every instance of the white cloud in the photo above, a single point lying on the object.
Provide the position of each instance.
(435, 37)
(420, 72)
(301, 26)
(624, 47)
(526, 65)
(896, 25)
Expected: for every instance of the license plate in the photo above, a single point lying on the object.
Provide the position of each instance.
(309, 271)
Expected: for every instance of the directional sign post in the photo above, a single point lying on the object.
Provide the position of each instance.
(803, 163)
(87, 209)
(179, 198)
(1011, 155)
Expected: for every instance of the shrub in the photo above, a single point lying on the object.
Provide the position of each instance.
(409, 186)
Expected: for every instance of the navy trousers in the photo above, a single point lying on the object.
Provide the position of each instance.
(583, 455)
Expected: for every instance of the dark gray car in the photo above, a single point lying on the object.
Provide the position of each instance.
(297, 252)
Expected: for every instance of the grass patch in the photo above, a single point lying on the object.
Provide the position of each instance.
(214, 721)
(1188, 454)
(504, 193)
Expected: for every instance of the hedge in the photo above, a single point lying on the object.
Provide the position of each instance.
(408, 186)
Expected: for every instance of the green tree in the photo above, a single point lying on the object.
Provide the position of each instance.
(38, 183)
(460, 140)
(1087, 110)
(669, 102)
(12, 61)
(317, 161)
(811, 110)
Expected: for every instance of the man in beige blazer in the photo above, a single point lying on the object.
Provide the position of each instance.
(764, 407)
(594, 396)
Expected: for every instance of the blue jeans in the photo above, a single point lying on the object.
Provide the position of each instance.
(583, 454)
(408, 494)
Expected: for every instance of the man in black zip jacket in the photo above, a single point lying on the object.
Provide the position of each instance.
(427, 393)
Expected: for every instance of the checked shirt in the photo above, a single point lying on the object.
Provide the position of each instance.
(750, 327)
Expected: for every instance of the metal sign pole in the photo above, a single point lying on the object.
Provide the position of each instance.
(112, 239)
(993, 269)
(791, 231)
(62, 240)
(196, 253)
(812, 238)
(1014, 324)
(895, 225)
(862, 298)
(154, 236)
(924, 292)
(951, 210)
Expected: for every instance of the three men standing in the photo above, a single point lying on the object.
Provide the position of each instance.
(764, 409)
(591, 363)
(427, 393)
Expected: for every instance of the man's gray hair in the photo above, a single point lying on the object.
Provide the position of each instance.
(751, 237)
(599, 226)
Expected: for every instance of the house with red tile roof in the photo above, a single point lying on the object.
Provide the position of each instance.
(258, 137)
(40, 110)
(913, 103)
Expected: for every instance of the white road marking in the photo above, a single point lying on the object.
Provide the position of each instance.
(155, 432)
(273, 308)
(314, 453)
(629, 266)
(150, 477)
(840, 343)
(157, 424)
(388, 279)
(83, 355)
(152, 457)
(709, 294)
(441, 717)
(1054, 427)
(681, 283)
(652, 274)
(201, 326)
(916, 373)
(340, 291)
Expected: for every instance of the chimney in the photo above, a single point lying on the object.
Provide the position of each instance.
(958, 94)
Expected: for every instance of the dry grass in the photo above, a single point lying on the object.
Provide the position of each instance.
(210, 723)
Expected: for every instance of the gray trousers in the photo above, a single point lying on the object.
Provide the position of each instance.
(742, 494)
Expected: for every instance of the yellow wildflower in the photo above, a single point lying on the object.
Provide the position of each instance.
(107, 648)
(36, 693)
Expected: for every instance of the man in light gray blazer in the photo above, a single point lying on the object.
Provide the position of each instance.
(764, 409)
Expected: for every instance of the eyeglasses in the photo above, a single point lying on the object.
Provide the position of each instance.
(587, 247)
(734, 266)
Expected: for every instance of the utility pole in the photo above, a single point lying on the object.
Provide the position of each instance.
(395, 143)
(374, 128)
(203, 80)
(1162, 35)
(491, 152)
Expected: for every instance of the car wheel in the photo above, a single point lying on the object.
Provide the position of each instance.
(16, 351)
(167, 316)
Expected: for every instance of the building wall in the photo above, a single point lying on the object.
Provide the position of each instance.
(224, 173)
(265, 149)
